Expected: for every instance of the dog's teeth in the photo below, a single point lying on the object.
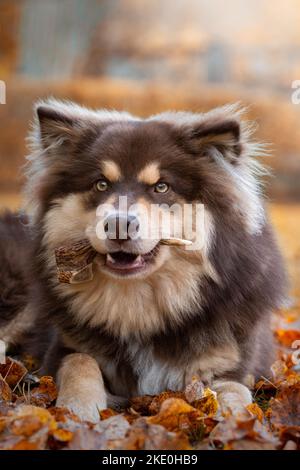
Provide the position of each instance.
(110, 258)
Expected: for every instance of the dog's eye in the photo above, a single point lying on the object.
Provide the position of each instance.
(161, 187)
(101, 185)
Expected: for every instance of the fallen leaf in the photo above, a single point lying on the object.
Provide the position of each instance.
(158, 400)
(63, 415)
(250, 444)
(290, 434)
(255, 410)
(26, 428)
(87, 439)
(5, 408)
(12, 371)
(5, 390)
(114, 428)
(45, 393)
(194, 391)
(279, 370)
(287, 337)
(144, 435)
(62, 435)
(178, 416)
(142, 404)
(107, 413)
(232, 430)
(27, 419)
(290, 445)
(67, 424)
(284, 410)
(208, 404)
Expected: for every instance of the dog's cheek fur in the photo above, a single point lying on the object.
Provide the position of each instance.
(66, 220)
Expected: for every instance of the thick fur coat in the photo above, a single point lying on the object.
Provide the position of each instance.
(202, 312)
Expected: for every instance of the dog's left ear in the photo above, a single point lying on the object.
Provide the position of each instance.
(223, 136)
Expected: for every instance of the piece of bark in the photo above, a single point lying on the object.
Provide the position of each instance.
(74, 262)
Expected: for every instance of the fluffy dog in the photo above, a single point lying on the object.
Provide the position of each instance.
(152, 316)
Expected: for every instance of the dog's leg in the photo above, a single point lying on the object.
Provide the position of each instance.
(232, 396)
(81, 387)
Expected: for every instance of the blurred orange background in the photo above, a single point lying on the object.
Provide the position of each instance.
(150, 55)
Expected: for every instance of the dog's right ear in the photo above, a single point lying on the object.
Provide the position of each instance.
(56, 126)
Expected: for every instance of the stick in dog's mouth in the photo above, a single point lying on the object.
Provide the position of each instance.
(175, 242)
(75, 261)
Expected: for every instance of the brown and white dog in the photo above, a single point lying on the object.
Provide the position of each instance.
(153, 315)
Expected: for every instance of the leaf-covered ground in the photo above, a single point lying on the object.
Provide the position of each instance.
(171, 420)
(183, 420)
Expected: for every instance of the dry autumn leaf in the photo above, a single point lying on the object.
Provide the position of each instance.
(255, 410)
(26, 428)
(141, 404)
(45, 393)
(87, 439)
(178, 416)
(287, 337)
(107, 434)
(250, 444)
(158, 400)
(208, 403)
(107, 413)
(143, 435)
(114, 429)
(284, 410)
(170, 420)
(13, 372)
(5, 390)
(194, 391)
(67, 424)
(231, 430)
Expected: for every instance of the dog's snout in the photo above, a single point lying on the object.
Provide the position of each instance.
(121, 227)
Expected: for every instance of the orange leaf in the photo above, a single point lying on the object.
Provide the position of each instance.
(208, 404)
(255, 410)
(287, 337)
(45, 393)
(12, 371)
(5, 391)
(178, 416)
(143, 435)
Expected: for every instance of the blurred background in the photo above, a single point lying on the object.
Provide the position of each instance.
(150, 55)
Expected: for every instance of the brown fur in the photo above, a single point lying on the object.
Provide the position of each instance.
(202, 312)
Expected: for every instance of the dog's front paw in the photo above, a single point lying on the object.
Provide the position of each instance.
(81, 387)
(83, 408)
(233, 397)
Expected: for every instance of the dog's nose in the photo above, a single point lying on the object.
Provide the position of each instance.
(121, 227)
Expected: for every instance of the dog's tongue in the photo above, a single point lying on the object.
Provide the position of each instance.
(121, 260)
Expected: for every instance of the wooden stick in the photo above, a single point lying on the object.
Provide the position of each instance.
(176, 242)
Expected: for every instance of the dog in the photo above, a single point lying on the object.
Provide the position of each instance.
(152, 316)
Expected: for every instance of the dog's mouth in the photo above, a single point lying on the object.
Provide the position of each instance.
(127, 263)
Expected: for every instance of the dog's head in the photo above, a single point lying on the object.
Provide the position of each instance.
(128, 183)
